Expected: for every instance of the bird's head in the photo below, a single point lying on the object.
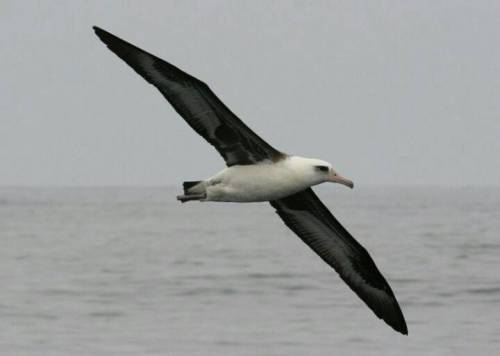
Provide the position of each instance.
(324, 172)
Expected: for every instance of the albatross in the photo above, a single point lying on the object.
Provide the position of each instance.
(257, 172)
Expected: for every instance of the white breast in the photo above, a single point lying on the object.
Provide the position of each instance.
(261, 182)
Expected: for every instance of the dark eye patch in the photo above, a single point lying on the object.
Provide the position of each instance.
(322, 168)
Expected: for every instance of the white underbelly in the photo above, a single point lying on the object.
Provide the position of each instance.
(254, 183)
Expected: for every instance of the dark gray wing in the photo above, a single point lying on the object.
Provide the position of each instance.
(306, 215)
(196, 103)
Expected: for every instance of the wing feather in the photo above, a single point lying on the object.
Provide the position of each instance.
(309, 218)
(197, 104)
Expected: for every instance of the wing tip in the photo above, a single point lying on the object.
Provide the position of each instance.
(98, 30)
(396, 320)
(103, 35)
(400, 326)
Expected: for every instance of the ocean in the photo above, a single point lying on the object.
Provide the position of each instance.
(131, 271)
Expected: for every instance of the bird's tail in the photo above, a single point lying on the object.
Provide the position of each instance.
(194, 190)
(188, 185)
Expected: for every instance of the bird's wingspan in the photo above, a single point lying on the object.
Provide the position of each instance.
(309, 218)
(197, 104)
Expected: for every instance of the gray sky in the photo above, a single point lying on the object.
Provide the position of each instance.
(390, 92)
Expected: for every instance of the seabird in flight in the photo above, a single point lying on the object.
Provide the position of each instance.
(258, 172)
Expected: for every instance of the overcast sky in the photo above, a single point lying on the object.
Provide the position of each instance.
(390, 92)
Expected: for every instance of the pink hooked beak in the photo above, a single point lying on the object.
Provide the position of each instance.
(337, 178)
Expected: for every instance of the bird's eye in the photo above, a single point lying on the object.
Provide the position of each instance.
(322, 168)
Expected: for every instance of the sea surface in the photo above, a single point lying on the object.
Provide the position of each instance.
(131, 271)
